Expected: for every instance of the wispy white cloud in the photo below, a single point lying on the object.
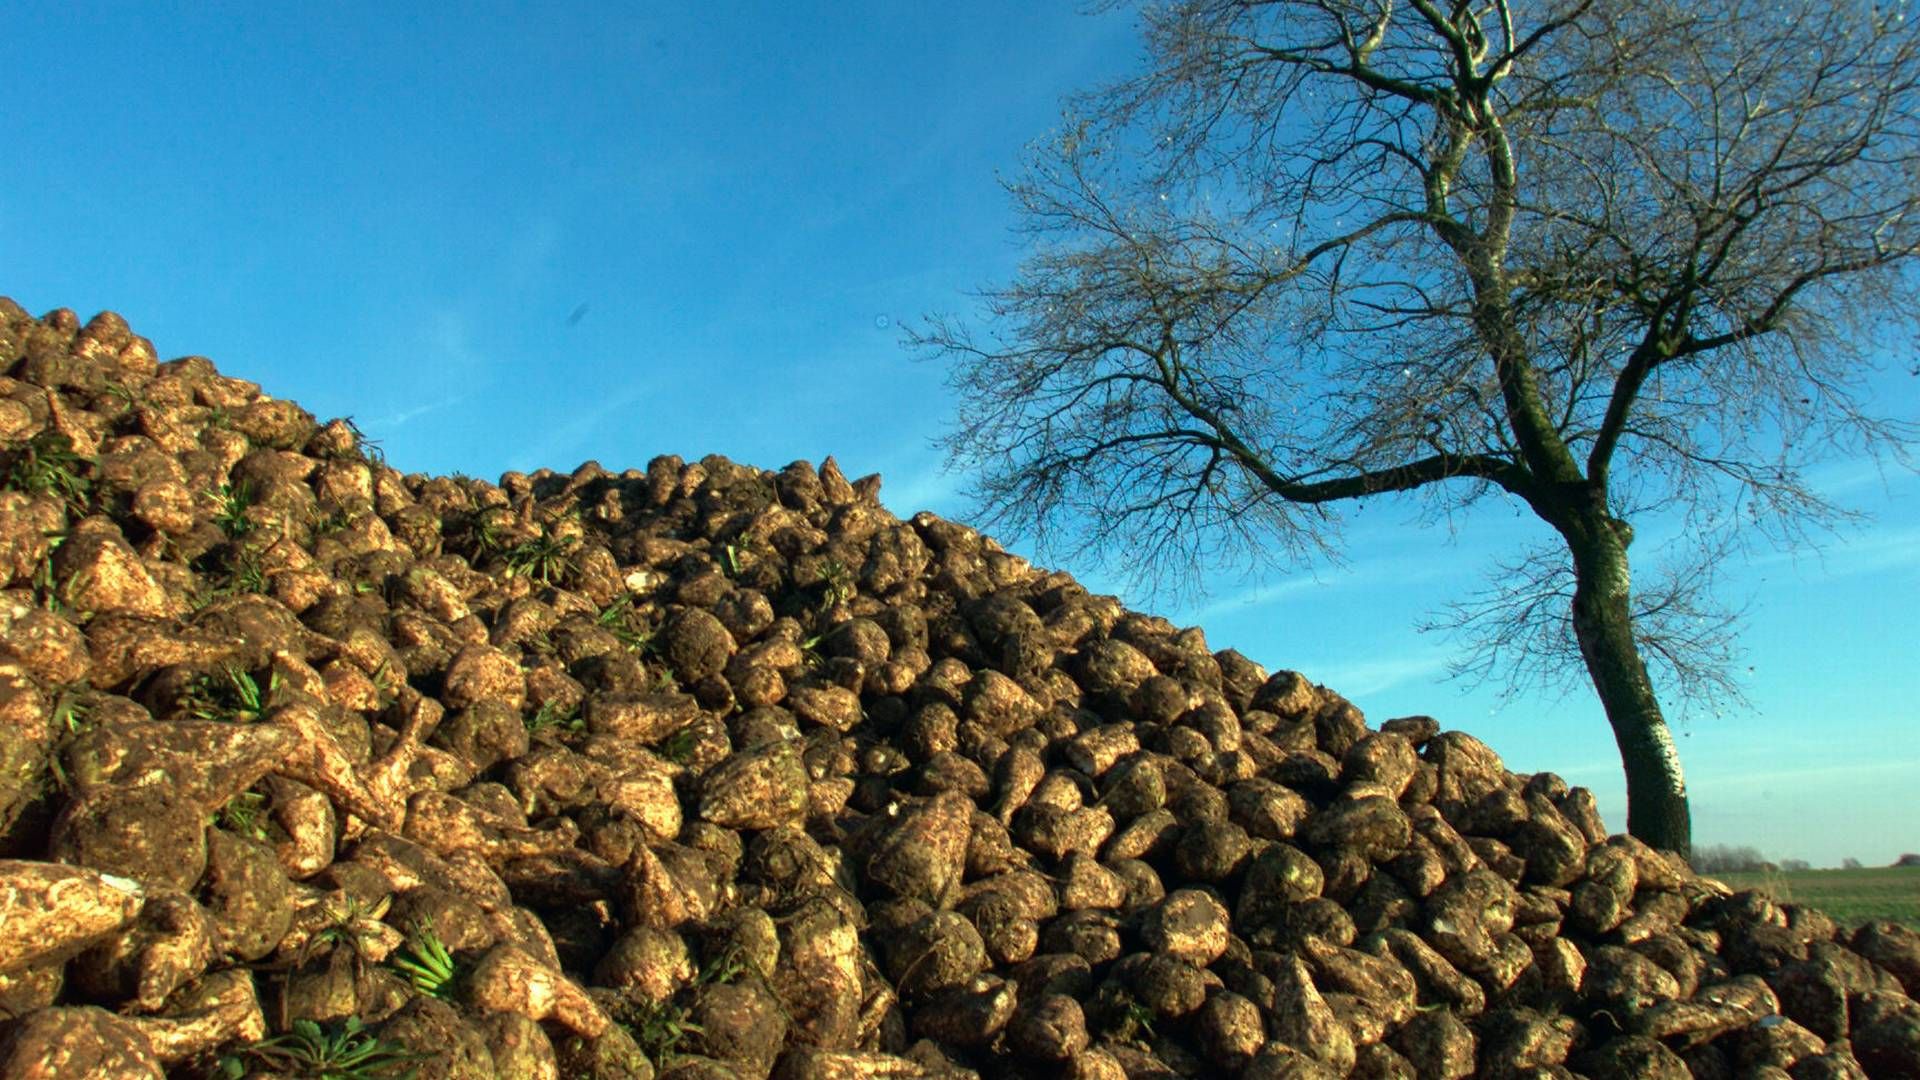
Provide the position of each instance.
(396, 420)
(1853, 475)
(1596, 773)
(1883, 550)
(1368, 572)
(1875, 551)
(1359, 678)
(1789, 777)
(561, 446)
(1261, 596)
(436, 354)
(448, 342)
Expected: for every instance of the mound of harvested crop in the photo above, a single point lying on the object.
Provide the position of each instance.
(312, 767)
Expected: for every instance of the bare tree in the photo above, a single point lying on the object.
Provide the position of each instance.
(1605, 258)
(1729, 859)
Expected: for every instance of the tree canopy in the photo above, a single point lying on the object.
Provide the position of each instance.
(1604, 258)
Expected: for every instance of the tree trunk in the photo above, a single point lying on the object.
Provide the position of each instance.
(1657, 809)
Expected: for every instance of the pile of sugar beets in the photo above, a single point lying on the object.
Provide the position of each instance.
(313, 768)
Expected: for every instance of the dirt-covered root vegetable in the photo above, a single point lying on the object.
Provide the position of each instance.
(221, 1008)
(509, 979)
(318, 761)
(819, 976)
(1095, 1064)
(340, 916)
(813, 1063)
(150, 834)
(660, 889)
(1439, 1043)
(70, 1041)
(306, 817)
(1015, 776)
(206, 762)
(1886, 1034)
(34, 988)
(614, 1054)
(171, 944)
(1514, 1040)
(968, 1016)
(1051, 1028)
(444, 824)
(1279, 1061)
(1632, 1056)
(760, 787)
(49, 912)
(389, 778)
(246, 890)
(1189, 924)
(377, 792)
(1712, 1010)
(1438, 980)
(1386, 988)
(920, 850)
(1894, 948)
(738, 1023)
(646, 963)
(446, 1041)
(935, 953)
(1302, 1019)
(520, 1048)
(750, 936)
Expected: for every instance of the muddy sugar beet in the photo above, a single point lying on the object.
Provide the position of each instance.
(702, 771)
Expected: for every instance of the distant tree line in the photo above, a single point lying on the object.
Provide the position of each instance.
(1738, 859)
(1744, 859)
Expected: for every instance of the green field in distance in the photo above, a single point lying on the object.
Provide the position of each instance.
(1850, 896)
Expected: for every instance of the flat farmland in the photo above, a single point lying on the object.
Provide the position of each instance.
(1850, 896)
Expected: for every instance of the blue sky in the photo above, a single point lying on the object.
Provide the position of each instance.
(541, 234)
